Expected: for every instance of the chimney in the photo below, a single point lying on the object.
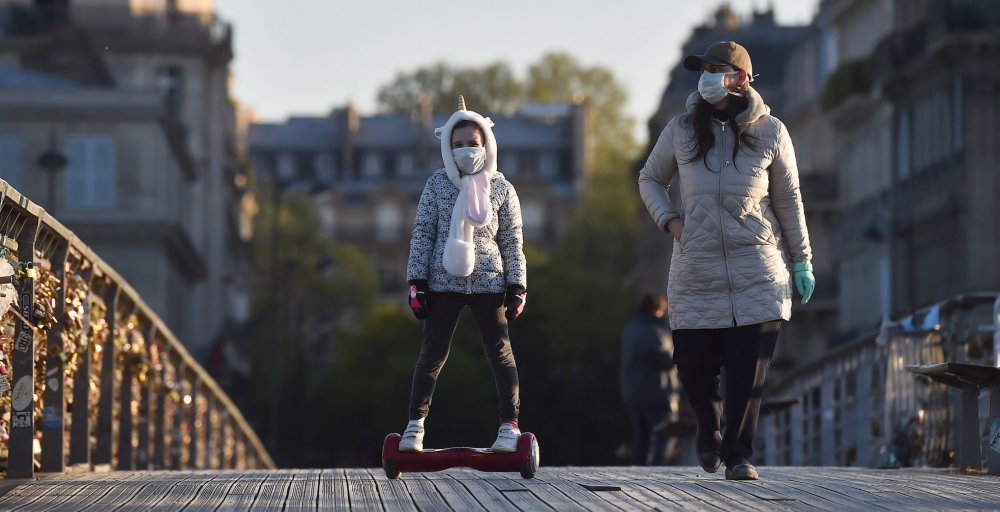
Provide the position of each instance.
(351, 127)
(581, 159)
(424, 133)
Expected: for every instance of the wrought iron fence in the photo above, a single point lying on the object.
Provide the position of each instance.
(90, 377)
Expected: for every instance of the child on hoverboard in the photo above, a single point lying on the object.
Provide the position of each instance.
(466, 251)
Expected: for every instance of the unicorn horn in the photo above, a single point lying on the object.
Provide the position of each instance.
(461, 102)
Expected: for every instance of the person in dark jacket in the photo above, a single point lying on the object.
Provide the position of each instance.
(647, 379)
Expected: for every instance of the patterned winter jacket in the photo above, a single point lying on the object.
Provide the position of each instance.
(499, 244)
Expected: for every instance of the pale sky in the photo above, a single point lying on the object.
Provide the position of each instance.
(304, 57)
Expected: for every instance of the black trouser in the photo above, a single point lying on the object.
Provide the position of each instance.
(439, 328)
(644, 417)
(745, 353)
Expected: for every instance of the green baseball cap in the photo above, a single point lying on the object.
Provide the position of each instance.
(721, 53)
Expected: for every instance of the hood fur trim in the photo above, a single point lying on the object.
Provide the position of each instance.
(489, 142)
(756, 108)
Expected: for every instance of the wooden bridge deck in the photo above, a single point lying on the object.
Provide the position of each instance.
(553, 488)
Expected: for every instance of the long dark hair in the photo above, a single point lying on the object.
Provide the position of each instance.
(702, 137)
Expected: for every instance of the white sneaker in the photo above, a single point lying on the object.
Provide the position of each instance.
(507, 438)
(413, 439)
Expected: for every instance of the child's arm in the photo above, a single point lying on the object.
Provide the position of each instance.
(511, 240)
(422, 240)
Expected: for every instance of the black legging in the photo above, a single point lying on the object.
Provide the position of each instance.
(439, 328)
(745, 353)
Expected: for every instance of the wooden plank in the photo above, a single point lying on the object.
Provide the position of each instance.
(361, 490)
(273, 491)
(453, 492)
(646, 498)
(519, 494)
(488, 496)
(155, 489)
(244, 491)
(303, 491)
(119, 493)
(393, 493)
(680, 487)
(40, 497)
(425, 495)
(183, 486)
(208, 496)
(561, 480)
(333, 491)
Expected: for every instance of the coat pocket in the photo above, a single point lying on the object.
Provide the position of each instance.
(760, 228)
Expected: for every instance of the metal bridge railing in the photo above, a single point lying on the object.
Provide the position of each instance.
(90, 377)
(859, 405)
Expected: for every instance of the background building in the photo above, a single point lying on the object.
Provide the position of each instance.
(366, 173)
(135, 95)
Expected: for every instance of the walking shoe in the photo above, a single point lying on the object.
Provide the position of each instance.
(507, 437)
(744, 471)
(413, 439)
(709, 461)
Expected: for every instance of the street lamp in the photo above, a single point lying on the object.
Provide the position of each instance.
(53, 162)
(282, 174)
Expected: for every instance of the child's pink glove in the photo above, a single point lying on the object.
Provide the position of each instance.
(515, 300)
(419, 298)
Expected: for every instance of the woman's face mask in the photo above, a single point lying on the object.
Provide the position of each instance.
(470, 160)
(711, 86)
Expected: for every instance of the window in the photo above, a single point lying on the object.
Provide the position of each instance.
(510, 164)
(170, 82)
(286, 168)
(903, 145)
(956, 111)
(372, 167)
(91, 171)
(533, 219)
(324, 167)
(387, 222)
(548, 166)
(10, 160)
(404, 165)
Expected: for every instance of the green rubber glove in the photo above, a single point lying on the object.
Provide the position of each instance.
(805, 283)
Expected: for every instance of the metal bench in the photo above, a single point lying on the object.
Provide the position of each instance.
(970, 378)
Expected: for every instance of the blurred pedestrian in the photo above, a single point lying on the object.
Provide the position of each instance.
(466, 251)
(740, 227)
(647, 380)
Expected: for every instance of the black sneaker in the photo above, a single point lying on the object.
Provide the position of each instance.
(709, 461)
(744, 471)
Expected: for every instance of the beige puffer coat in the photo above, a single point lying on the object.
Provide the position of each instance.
(742, 222)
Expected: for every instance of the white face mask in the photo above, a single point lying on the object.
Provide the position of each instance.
(470, 160)
(711, 87)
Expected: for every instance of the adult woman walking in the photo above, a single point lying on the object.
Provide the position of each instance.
(741, 223)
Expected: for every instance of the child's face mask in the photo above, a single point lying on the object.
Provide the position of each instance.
(470, 160)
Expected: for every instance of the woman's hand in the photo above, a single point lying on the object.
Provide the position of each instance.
(676, 227)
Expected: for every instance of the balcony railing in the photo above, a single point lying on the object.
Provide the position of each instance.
(91, 377)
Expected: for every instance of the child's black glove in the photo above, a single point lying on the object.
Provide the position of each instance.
(515, 300)
(419, 298)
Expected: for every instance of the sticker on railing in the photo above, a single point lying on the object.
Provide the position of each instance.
(21, 420)
(22, 393)
(995, 435)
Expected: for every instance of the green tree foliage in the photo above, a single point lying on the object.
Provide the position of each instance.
(308, 292)
(558, 77)
(491, 88)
